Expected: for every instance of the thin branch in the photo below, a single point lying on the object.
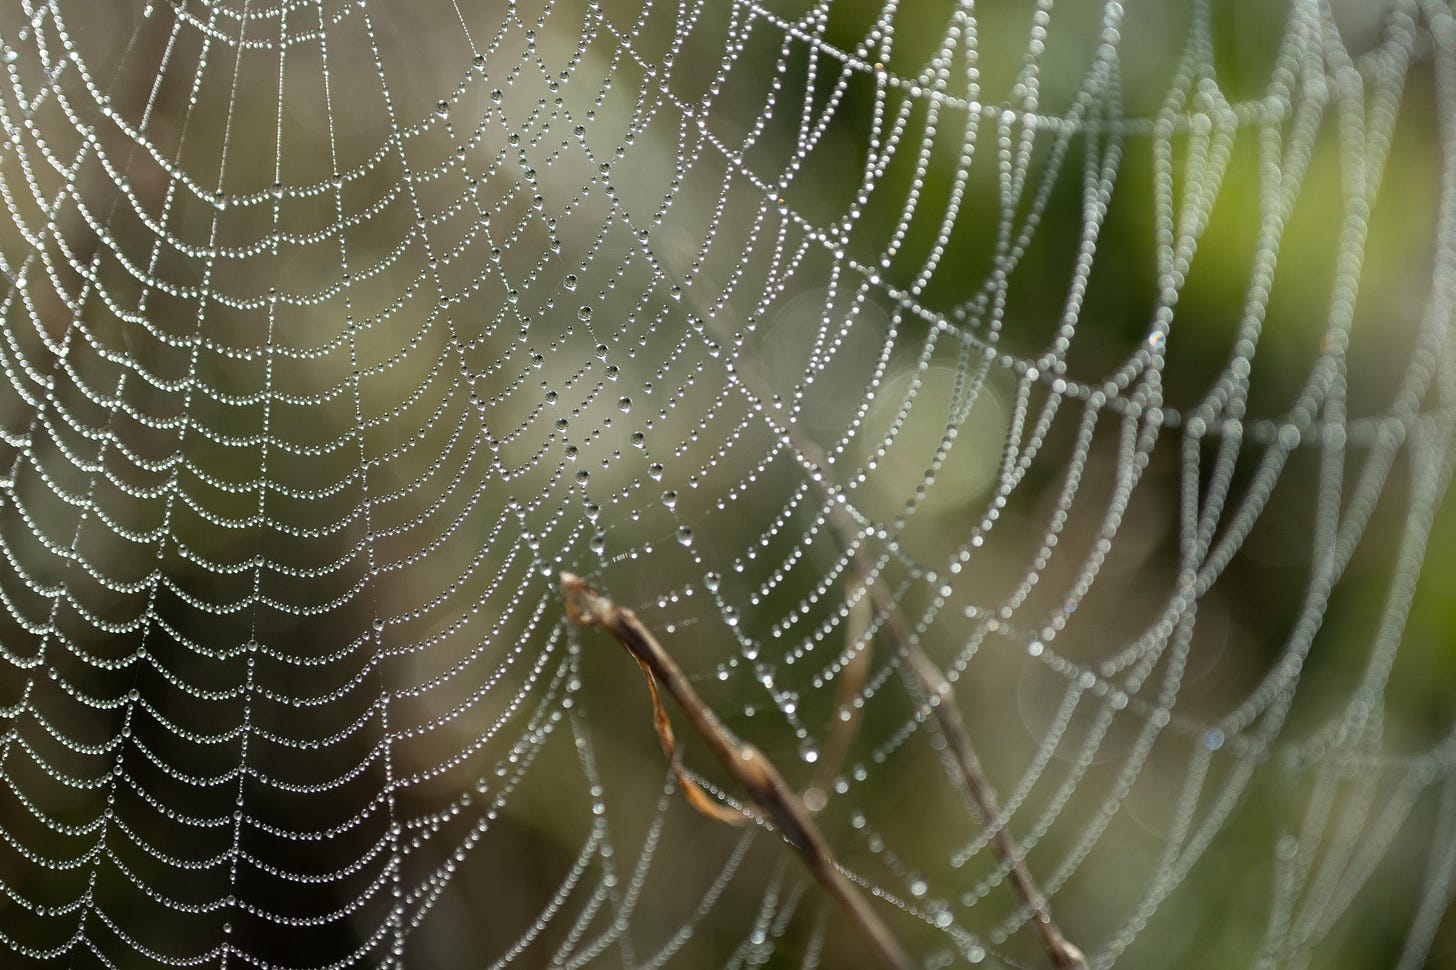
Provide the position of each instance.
(1062, 953)
(748, 766)
(929, 679)
(932, 682)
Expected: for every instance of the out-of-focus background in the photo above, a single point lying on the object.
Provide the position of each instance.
(1114, 334)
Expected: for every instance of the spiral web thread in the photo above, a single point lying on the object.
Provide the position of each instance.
(334, 331)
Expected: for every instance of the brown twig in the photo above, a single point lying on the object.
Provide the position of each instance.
(1063, 954)
(748, 766)
(929, 680)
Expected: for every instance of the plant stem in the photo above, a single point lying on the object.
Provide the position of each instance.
(750, 767)
(1063, 954)
(928, 678)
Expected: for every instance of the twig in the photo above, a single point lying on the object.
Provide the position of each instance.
(749, 766)
(929, 679)
(927, 676)
(1063, 954)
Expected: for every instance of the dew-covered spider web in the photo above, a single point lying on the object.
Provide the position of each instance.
(1096, 352)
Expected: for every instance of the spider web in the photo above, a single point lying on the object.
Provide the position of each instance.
(1109, 343)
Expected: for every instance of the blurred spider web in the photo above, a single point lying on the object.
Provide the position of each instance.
(1109, 342)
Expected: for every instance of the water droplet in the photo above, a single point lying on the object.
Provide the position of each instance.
(624, 405)
(497, 96)
(598, 543)
(712, 581)
(378, 625)
(685, 535)
(918, 886)
(655, 470)
(584, 314)
(442, 108)
(669, 498)
(582, 476)
(570, 281)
